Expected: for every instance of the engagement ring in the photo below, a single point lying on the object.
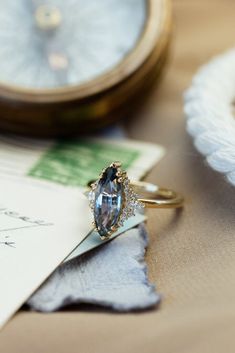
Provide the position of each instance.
(114, 198)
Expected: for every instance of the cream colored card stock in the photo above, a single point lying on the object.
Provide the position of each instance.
(38, 229)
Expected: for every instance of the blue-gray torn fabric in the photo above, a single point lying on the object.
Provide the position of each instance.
(113, 276)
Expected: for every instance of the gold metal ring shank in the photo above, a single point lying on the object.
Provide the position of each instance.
(159, 197)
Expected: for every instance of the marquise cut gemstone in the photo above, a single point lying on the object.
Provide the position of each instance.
(108, 202)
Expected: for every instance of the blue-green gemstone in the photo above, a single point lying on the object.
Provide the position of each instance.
(108, 202)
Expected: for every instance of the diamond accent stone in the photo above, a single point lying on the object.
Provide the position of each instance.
(91, 198)
(132, 204)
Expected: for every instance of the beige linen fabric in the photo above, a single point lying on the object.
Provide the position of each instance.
(191, 256)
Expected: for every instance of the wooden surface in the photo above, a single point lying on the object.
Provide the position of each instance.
(191, 256)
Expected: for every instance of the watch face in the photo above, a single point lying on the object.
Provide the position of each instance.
(65, 42)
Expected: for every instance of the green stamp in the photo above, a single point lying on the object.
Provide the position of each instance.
(75, 163)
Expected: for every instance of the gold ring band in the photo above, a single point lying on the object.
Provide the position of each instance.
(160, 197)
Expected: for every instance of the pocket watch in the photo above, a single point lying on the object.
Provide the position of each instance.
(74, 66)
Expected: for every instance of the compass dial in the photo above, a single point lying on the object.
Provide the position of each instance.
(59, 43)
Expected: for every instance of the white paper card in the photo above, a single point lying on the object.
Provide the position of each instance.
(93, 239)
(38, 229)
(75, 162)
